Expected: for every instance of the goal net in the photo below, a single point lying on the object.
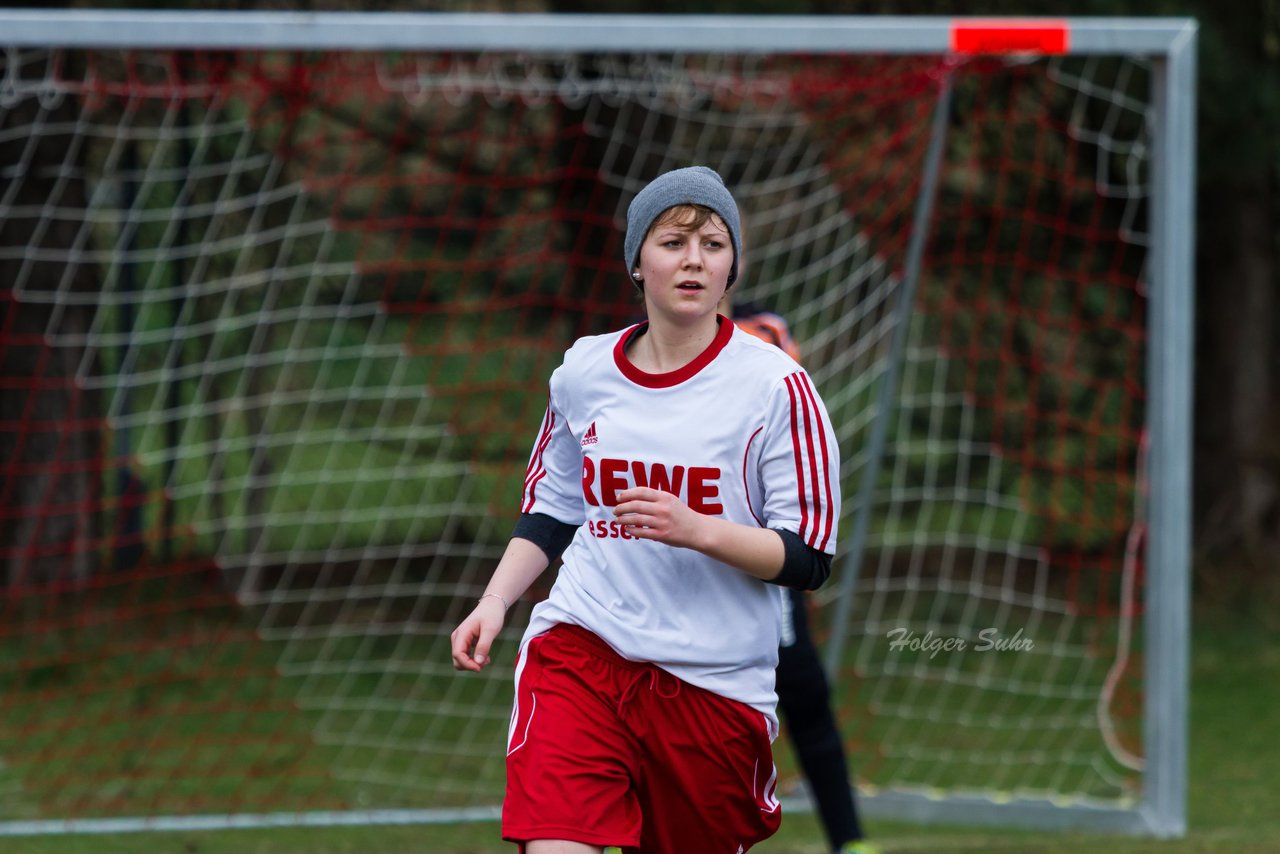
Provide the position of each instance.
(275, 330)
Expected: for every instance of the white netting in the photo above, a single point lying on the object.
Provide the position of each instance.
(277, 335)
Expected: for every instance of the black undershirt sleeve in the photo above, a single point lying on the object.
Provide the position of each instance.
(803, 567)
(546, 532)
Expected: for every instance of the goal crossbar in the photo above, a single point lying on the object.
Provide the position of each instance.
(601, 33)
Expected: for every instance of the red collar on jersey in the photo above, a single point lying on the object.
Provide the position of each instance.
(724, 332)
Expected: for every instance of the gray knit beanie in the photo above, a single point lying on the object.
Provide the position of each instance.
(692, 185)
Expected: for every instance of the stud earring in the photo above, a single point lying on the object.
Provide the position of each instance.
(635, 276)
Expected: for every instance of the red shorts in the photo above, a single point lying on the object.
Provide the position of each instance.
(607, 751)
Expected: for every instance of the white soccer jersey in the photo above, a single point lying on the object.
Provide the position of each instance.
(739, 433)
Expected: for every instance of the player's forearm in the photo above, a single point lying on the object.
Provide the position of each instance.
(520, 566)
(778, 556)
(759, 552)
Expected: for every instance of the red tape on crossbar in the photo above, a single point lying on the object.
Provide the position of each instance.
(1010, 36)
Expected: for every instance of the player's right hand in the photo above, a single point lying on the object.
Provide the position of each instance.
(474, 635)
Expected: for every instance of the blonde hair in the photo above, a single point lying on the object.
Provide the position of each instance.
(686, 218)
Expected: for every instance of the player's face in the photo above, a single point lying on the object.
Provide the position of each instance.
(685, 270)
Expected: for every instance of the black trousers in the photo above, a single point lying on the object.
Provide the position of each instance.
(804, 701)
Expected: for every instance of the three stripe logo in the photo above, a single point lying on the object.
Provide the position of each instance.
(536, 471)
(813, 468)
(589, 438)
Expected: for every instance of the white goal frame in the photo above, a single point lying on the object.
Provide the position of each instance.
(1169, 44)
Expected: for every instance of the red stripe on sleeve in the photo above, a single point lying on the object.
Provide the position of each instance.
(536, 471)
(533, 458)
(816, 494)
(799, 458)
(829, 510)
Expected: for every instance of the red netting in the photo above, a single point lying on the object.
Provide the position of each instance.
(275, 330)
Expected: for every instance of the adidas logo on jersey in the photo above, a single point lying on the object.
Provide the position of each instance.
(589, 438)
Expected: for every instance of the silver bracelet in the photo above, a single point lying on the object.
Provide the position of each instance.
(505, 604)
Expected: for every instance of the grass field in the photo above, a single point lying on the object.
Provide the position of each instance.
(1234, 792)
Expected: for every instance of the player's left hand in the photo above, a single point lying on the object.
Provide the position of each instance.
(650, 514)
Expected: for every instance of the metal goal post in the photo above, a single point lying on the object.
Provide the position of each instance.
(1166, 45)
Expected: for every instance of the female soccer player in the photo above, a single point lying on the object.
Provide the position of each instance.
(692, 472)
